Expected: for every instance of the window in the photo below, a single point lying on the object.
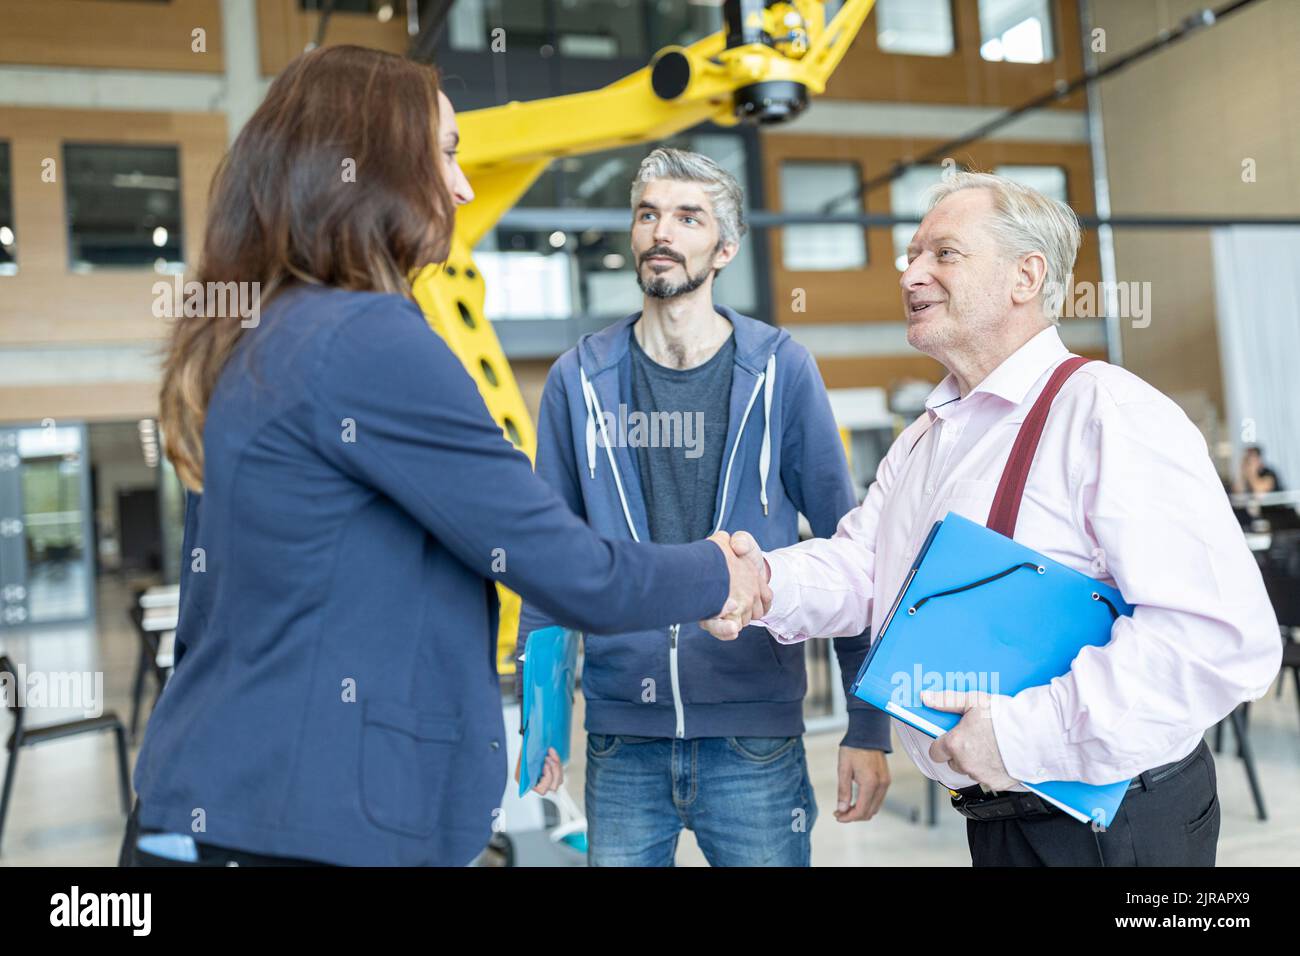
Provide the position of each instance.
(600, 28)
(471, 22)
(681, 23)
(1048, 180)
(907, 196)
(591, 29)
(918, 27)
(600, 180)
(830, 188)
(467, 25)
(123, 206)
(528, 273)
(53, 495)
(8, 239)
(1017, 31)
(383, 9)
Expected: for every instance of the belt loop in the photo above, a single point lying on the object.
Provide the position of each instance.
(1147, 778)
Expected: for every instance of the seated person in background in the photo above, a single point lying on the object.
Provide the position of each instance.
(1256, 478)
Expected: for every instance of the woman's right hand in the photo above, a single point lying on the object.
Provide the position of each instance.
(552, 772)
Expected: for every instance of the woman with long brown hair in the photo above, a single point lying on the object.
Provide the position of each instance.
(351, 505)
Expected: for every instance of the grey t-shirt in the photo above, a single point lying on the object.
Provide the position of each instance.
(684, 412)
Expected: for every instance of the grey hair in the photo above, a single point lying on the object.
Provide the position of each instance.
(1025, 221)
(680, 165)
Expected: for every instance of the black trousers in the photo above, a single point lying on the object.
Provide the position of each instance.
(209, 855)
(1173, 822)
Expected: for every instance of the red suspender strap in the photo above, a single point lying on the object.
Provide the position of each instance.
(1006, 503)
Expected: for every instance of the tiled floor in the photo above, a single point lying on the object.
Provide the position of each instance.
(65, 808)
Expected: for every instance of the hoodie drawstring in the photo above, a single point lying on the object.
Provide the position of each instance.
(591, 422)
(593, 415)
(765, 453)
(592, 404)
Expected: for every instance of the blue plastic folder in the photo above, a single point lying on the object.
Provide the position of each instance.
(550, 664)
(980, 612)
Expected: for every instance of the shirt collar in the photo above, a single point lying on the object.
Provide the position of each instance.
(1011, 380)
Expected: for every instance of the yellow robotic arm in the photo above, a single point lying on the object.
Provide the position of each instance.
(761, 68)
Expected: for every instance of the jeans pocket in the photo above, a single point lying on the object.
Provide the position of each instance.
(602, 745)
(762, 749)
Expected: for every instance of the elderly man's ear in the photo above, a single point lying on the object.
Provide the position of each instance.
(1031, 277)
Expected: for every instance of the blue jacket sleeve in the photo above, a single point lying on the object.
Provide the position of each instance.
(421, 435)
(816, 476)
(555, 464)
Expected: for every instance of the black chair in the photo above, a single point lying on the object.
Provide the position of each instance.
(146, 665)
(1281, 517)
(24, 736)
(1285, 595)
(1282, 559)
(1240, 720)
(1280, 567)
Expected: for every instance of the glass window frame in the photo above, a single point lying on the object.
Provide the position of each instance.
(953, 49)
(857, 167)
(77, 266)
(9, 264)
(1051, 41)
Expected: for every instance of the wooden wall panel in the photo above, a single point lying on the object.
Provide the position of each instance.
(879, 371)
(964, 77)
(46, 303)
(118, 35)
(886, 371)
(94, 402)
(284, 29)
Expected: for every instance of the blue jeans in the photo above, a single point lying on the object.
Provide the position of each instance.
(747, 799)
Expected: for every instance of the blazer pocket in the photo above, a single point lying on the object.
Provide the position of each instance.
(406, 760)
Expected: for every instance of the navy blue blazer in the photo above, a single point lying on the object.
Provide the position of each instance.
(335, 696)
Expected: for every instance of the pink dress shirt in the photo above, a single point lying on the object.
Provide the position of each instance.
(1122, 489)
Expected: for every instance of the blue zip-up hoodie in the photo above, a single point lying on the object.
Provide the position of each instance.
(783, 456)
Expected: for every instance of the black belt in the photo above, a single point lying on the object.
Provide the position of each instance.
(977, 804)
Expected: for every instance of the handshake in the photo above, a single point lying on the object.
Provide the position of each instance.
(750, 596)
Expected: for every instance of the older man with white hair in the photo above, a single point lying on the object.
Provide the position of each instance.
(1121, 488)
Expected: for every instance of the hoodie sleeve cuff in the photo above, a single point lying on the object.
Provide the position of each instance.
(869, 729)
